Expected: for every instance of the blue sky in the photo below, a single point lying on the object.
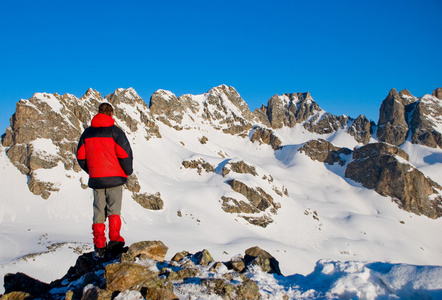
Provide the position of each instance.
(348, 54)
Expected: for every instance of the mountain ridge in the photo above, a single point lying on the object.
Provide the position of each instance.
(209, 171)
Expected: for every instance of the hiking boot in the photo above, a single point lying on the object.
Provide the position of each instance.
(99, 253)
(115, 248)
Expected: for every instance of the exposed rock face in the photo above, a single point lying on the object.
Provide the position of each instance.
(199, 165)
(438, 93)
(385, 169)
(150, 277)
(257, 197)
(45, 129)
(149, 201)
(290, 109)
(44, 132)
(219, 108)
(392, 124)
(324, 151)
(402, 113)
(265, 136)
(327, 123)
(426, 117)
(258, 202)
(361, 129)
(239, 167)
(166, 107)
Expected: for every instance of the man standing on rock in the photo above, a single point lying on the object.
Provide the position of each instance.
(105, 154)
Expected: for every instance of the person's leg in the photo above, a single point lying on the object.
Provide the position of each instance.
(114, 198)
(98, 226)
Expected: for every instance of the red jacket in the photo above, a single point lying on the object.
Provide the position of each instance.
(105, 153)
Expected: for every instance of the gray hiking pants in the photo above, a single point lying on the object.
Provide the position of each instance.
(107, 202)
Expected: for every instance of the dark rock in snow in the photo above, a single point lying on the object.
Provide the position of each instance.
(385, 169)
(324, 151)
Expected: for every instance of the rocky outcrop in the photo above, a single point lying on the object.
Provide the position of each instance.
(225, 107)
(199, 165)
(361, 129)
(402, 113)
(438, 93)
(324, 151)
(385, 169)
(149, 201)
(265, 136)
(239, 167)
(257, 197)
(326, 123)
(425, 119)
(259, 205)
(166, 107)
(144, 273)
(290, 109)
(392, 124)
(45, 130)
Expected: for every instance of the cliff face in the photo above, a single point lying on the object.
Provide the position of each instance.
(402, 114)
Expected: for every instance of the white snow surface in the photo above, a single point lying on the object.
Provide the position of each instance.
(333, 238)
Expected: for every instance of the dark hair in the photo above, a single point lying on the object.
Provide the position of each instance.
(105, 108)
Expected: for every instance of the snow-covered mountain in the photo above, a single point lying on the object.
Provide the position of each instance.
(289, 177)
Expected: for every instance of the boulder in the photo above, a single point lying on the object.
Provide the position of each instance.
(146, 249)
(126, 275)
(19, 282)
(263, 259)
(16, 296)
(203, 258)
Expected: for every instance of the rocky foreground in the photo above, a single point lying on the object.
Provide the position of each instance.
(142, 272)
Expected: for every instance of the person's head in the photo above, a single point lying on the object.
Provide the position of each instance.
(106, 108)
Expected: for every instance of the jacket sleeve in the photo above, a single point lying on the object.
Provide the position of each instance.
(123, 151)
(81, 154)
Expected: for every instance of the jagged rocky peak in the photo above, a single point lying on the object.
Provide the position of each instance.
(223, 95)
(291, 109)
(402, 113)
(407, 97)
(167, 108)
(164, 102)
(438, 93)
(225, 106)
(92, 94)
(426, 121)
(361, 129)
(392, 124)
(128, 96)
(44, 131)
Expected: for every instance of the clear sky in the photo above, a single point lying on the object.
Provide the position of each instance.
(347, 53)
